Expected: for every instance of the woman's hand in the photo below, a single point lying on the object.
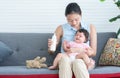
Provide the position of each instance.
(89, 51)
(49, 44)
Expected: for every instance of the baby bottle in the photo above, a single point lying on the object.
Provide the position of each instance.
(53, 45)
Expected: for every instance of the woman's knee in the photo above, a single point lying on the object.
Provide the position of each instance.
(77, 61)
(78, 64)
(64, 60)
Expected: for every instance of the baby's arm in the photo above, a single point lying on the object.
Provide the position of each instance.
(66, 46)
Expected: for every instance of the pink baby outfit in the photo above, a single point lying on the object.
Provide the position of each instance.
(78, 45)
(73, 44)
(72, 55)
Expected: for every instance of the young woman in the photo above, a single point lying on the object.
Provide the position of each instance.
(66, 32)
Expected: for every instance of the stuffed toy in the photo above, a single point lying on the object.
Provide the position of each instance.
(36, 62)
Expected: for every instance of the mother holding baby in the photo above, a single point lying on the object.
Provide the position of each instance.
(67, 32)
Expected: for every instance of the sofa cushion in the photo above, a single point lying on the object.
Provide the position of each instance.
(23, 70)
(5, 51)
(111, 53)
(105, 70)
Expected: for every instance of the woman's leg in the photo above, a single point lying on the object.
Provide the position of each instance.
(83, 56)
(56, 60)
(65, 68)
(88, 61)
(80, 69)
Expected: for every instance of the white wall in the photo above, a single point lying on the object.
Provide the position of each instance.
(42, 16)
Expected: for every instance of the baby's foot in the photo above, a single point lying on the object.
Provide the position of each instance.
(91, 65)
(52, 67)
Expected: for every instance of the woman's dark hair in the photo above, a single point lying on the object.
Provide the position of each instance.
(85, 32)
(73, 8)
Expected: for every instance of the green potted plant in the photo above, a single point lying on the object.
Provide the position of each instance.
(117, 3)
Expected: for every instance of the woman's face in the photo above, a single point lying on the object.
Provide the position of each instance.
(74, 19)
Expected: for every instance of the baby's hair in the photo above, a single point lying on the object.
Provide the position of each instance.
(85, 32)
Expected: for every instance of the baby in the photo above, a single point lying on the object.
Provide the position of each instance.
(76, 49)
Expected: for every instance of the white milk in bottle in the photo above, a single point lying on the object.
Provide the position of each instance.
(54, 42)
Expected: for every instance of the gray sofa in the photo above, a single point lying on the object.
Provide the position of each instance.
(27, 46)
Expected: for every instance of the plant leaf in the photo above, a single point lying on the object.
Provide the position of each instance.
(118, 3)
(114, 18)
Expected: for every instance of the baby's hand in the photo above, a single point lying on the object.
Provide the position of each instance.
(66, 43)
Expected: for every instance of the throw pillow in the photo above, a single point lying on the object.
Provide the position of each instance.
(111, 53)
(5, 51)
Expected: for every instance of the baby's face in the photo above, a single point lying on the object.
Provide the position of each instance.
(79, 37)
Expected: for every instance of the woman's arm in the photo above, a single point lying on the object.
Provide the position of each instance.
(59, 33)
(93, 40)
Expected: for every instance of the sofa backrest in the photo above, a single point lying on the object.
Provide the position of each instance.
(27, 46)
(102, 38)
